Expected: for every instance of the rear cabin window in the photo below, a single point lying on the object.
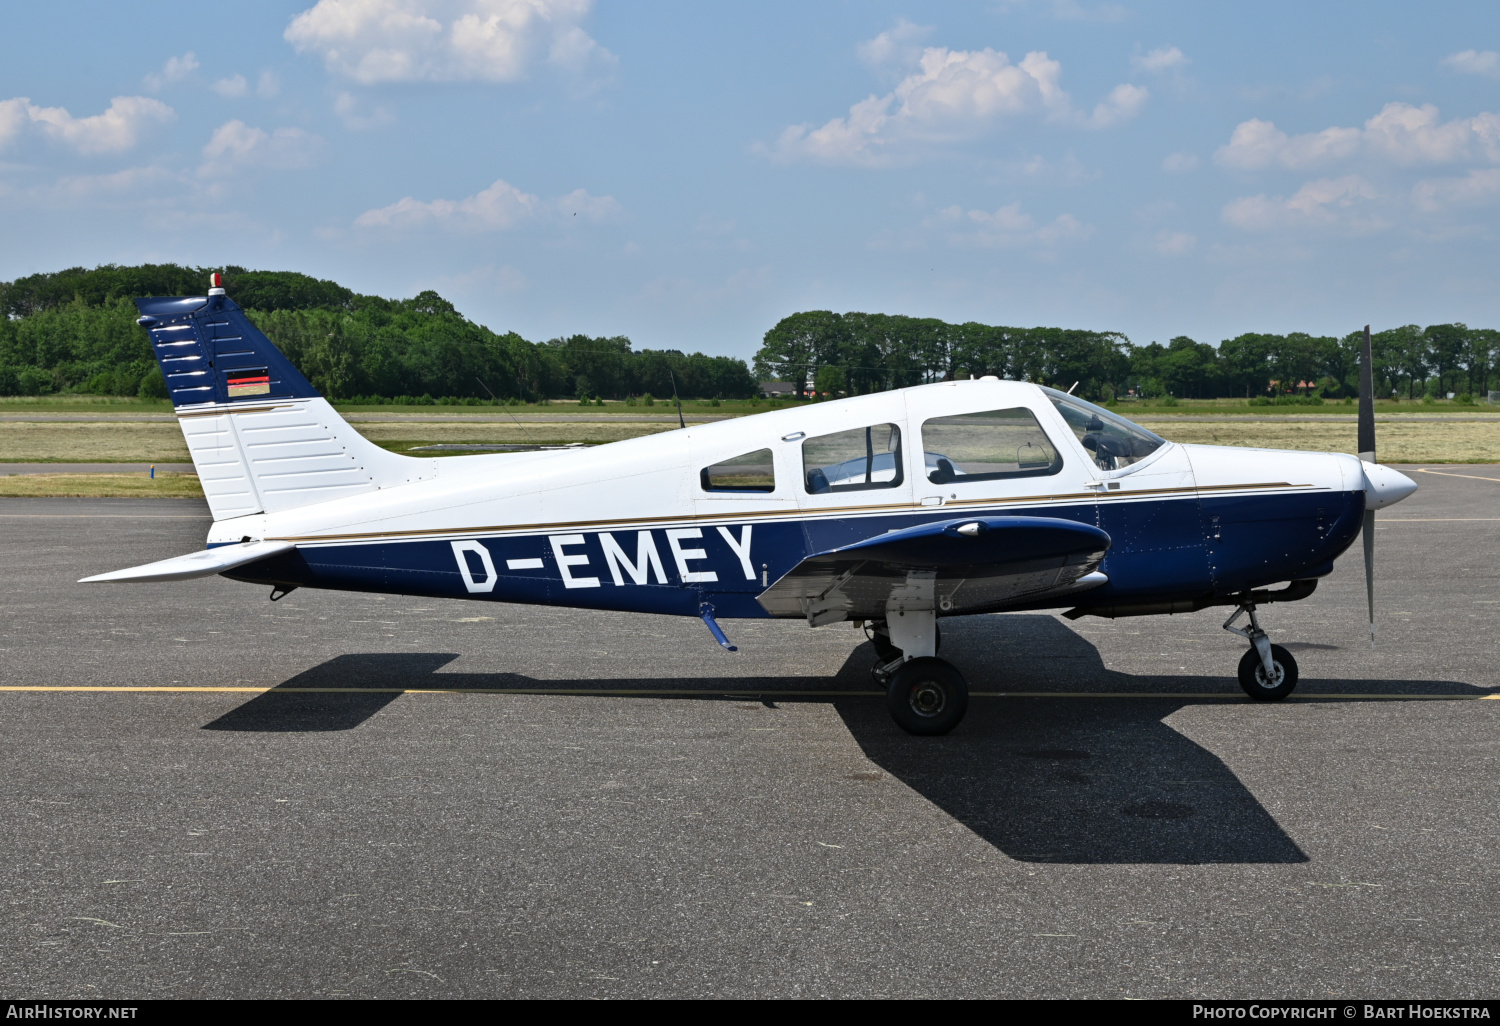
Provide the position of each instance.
(852, 461)
(987, 446)
(752, 472)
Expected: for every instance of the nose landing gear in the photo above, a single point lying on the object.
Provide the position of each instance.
(1267, 672)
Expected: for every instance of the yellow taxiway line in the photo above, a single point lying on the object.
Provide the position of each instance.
(1449, 473)
(698, 693)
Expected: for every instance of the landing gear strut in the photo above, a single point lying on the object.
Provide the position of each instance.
(1267, 672)
(887, 653)
(926, 696)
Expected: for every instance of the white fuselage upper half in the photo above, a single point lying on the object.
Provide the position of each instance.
(656, 480)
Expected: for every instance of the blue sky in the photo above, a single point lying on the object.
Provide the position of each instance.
(688, 173)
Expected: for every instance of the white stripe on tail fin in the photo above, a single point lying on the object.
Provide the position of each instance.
(267, 457)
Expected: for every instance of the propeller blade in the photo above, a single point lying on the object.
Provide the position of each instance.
(1369, 532)
(1366, 402)
(1367, 454)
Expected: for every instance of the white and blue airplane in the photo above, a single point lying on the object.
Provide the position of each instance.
(895, 509)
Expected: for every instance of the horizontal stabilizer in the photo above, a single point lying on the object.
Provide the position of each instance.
(977, 564)
(196, 564)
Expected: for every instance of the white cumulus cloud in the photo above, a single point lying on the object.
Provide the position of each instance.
(579, 203)
(1178, 163)
(232, 87)
(1412, 135)
(175, 70)
(235, 145)
(1170, 243)
(1258, 144)
(900, 44)
(347, 107)
(1123, 103)
(1400, 133)
(1163, 58)
(497, 208)
(1008, 227)
(1474, 62)
(1478, 186)
(1325, 202)
(73, 188)
(15, 115)
(951, 95)
(372, 41)
(118, 129)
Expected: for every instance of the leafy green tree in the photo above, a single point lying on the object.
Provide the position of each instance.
(797, 345)
(1246, 363)
(831, 380)
(1447, 345)
(1188, 369)
(1403, 350)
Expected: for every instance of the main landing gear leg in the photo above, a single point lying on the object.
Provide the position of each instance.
(925, 695)
(1267, 672)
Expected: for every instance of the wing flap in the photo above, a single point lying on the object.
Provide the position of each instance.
(957, 566)
(197, 564)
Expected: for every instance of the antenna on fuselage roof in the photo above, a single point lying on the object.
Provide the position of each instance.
(680, 422)
(1071, 387)
(524, 433)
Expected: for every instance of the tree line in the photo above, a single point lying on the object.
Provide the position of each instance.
(75, 331)
(855, 353)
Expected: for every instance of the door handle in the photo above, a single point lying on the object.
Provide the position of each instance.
(932, 500)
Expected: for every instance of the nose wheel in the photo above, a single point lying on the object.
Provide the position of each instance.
(1272, 687)
(1267, 672)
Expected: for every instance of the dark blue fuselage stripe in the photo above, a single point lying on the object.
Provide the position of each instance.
(1161, 549)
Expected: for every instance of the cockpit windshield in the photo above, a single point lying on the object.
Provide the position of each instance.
(1114, 441)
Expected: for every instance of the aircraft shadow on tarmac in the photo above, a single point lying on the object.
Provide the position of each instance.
(1067, 780)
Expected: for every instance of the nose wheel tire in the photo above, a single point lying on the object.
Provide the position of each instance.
(1281, 682)
(927, 697)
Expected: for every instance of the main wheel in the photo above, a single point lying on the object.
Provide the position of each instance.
(1253, 675)
(927, 697)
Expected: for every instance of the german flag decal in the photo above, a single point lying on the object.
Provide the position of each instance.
(249, 382)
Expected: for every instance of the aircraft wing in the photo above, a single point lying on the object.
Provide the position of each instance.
(978, 564)
(197, 564)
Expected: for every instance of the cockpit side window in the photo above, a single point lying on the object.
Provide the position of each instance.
(852, 461)
(987, 446)
(1113, 441)
(752, 472)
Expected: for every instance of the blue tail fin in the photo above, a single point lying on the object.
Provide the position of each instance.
(209, 352)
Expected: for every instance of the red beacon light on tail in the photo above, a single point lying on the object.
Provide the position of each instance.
(216, 284)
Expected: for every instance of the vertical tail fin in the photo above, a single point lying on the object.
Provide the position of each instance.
(261, 437)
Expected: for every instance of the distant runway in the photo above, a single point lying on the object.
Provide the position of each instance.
(387, 797)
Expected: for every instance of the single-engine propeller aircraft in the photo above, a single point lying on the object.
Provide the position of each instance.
(894, 509)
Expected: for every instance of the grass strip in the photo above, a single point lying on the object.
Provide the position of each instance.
(101, 486)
